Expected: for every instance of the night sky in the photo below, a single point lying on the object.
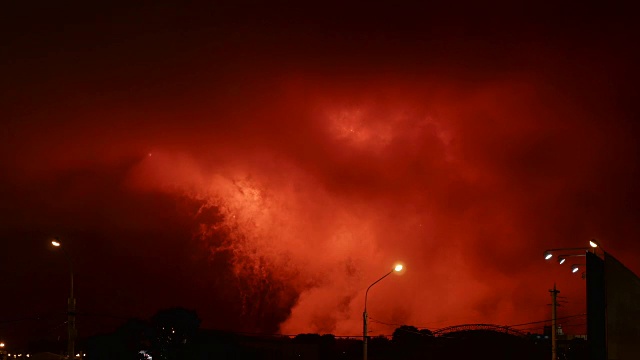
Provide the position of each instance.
(263, 164)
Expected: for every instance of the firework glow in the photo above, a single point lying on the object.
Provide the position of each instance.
(266, 180)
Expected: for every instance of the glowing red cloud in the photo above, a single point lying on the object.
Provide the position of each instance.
(380, 182)
(265, 170)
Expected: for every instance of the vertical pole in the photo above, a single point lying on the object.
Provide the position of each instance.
(554, 331)
(72, 328)
(365, 320)
(71, 321)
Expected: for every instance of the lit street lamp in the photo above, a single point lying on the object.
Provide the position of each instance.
(548, 254)
(595, 244)
(576, 267)
(71, 304)
(365, 317)
(563, 258)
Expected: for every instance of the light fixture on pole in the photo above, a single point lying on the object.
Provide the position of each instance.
(576, 267)
(595, 244)
(365, 318)
(71, 304)
(548, 254)
(563, 258)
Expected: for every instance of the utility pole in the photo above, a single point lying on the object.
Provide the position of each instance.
(365, 333)
(71, 321)
(554, 304)
(71, 304)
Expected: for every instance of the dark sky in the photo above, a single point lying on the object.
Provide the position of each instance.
(263, 164)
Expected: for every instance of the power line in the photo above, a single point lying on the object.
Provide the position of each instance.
(384, 323)
(542, 321)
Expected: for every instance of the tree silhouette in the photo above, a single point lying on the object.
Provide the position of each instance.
(411, 342)
(407, 335)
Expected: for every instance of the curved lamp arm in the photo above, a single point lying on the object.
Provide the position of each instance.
(377, 281)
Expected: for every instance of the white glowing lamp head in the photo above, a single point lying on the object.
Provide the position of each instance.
(574, 269)
(398, 268)
(548, 255)
(593, 244)
(562, 260)
(55, 243)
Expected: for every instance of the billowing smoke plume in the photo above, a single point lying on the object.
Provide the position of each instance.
(265, 171)
(309, 207)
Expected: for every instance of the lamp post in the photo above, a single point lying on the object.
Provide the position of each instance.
(71, 304)
(548, 254)
(595, 244)
(365, 317)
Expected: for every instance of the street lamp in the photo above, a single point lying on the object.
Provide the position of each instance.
(365, 318)
(563, 258)
(548, 254)
(575, 268)
(71, 304)
(595, 244)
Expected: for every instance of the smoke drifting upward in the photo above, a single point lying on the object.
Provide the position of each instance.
(310, 203)
(266, 176)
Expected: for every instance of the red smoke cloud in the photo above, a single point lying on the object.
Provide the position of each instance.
(344, 187)
(275, 195)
